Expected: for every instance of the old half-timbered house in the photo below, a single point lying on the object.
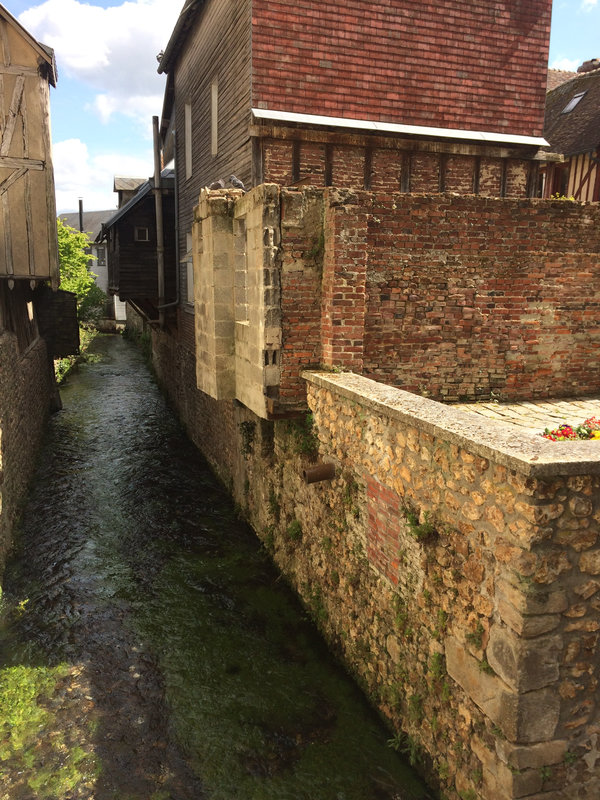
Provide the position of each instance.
(572, 127)
(31, 314)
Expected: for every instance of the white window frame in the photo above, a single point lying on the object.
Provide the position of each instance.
(188, 140)
(189, 258)
(214, 117)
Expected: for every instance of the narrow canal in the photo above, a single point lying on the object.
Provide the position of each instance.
(148, 649)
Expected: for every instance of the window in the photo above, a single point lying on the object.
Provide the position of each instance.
(214, 117)
(141, 235)
(190, 268)
(188, 141)
(572, 102)
(101, 256)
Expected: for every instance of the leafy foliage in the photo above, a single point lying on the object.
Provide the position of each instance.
(75, 273)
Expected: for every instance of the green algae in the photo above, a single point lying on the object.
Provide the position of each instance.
(50, 767)
(262, 714)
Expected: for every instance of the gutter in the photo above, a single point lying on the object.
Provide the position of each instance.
(486, 137)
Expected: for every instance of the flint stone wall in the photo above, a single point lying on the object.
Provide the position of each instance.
(480, 637)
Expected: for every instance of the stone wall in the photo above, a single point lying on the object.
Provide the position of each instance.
(26, 393)
(453, 567)
(475, 619)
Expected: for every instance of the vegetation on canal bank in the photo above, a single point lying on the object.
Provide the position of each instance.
(31, 746)
(62, 366)
(77, 277)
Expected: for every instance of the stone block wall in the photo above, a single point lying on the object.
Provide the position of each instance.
(26, 392)
(237, 296)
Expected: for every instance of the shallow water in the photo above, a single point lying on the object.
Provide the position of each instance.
(148, 648)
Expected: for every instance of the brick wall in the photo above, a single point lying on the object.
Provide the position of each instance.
(467, 297)
(452, 297)
(380, 164)
(301, 259)
(455, 65)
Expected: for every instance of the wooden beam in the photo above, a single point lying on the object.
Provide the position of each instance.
(11, 180)
(13, 111)
(21, 163)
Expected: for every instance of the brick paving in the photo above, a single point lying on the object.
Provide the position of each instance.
(535, 416)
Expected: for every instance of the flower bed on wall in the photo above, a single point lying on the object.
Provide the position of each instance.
(590, 429)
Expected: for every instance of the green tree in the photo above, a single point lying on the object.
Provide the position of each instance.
(75, 273)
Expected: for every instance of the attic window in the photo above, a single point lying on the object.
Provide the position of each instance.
(141, 235)
(572, 102)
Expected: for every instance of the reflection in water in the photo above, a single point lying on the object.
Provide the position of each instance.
(148, 650)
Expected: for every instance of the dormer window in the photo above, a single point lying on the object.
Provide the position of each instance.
(572, 102)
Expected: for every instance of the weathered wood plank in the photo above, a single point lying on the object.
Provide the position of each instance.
(29, 225)
(15, 105)
(12, 179)
(18, 163)
(7, 234)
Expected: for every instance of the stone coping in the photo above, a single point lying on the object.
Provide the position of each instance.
(506, 444)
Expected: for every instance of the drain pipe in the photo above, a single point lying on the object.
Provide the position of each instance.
(160, 233)
(177, 248)
(320, 472)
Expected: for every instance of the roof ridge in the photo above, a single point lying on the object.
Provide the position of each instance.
(576, 76)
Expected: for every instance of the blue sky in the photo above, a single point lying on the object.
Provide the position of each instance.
(108, 87)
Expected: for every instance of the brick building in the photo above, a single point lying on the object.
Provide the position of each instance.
(391, 96)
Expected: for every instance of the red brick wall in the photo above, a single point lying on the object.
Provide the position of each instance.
(301, 275)
(468, 296)
(475, 65)
(379, 166)
(343, 288)
(450, 296)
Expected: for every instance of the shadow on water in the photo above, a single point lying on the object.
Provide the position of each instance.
(149, 650)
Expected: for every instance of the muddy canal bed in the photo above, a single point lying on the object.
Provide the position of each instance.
(148, 648)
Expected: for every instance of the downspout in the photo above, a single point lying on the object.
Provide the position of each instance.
(160, 234)
(177, 250)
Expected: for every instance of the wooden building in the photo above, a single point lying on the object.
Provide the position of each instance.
(397, 97)
(132, 253)
(572, 128)
(28, 243)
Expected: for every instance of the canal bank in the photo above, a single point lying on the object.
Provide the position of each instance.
(149, 649)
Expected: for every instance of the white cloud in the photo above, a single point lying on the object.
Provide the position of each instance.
(588, 5)
(112, 50)
(567, 64)
(78, 174)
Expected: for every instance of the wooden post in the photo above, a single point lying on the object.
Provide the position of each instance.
(160, 243)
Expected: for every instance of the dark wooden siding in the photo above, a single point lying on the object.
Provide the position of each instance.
(217, 48)
(133, 264)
